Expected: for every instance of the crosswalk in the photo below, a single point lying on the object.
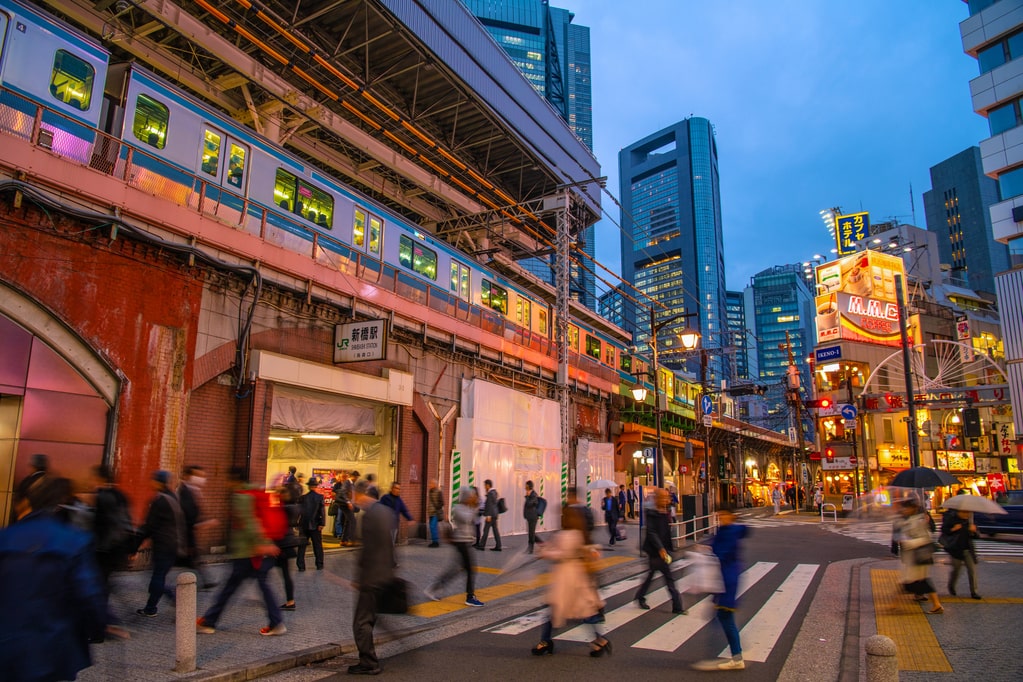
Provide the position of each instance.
(880, 532)
(759, 635)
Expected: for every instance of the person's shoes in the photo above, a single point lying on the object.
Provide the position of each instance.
(146, 612)
(937, 611)
(301, 569)
(434, 544)
(288, 607)
(495, 549)
(601, 649)
(920, 597)
(681, 611)
(952, 590)
(431, 594)
(529, 551)
(975, 595)
(202, 628)
(478, 547)
(473, 601)
(209, 586)
(641, 603)
(732, 664)
(360, 669)
(543, 649)
(278, 629)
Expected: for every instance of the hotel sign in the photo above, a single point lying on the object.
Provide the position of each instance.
(360, 341)
(850, 229)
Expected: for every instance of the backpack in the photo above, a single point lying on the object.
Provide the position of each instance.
(271, 514)
(541, 506)
(502, 507)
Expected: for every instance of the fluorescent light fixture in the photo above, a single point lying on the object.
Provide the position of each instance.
(319, 436)
(282, 439)
(834, 367)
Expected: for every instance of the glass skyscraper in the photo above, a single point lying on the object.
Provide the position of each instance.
(554, 56)
(671, 241)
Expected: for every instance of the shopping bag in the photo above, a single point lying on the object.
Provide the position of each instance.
(704, 574)
(393, 598)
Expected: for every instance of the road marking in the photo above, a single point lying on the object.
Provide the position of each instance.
(761, 633)
(902, 619)
(679, 629)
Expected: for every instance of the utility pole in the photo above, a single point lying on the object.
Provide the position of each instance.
(561, 310)
(907, 365)
(797, 405)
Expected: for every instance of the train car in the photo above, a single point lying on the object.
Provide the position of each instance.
(44, 61)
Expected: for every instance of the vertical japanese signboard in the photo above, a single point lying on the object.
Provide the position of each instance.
(850, 229)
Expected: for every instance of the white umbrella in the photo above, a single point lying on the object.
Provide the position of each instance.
(600, 484)
(974, 503)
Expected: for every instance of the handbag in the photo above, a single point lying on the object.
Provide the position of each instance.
(924, 554)
(704, 576)
(393, 597)
(332, 509)
(947, 542)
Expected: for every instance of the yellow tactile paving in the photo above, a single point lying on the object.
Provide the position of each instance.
(904, 621)
(456, 602)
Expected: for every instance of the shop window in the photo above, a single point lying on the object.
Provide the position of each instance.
(151, 120)
(416, 257)
(71, 80)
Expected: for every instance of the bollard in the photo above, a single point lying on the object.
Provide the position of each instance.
(882, 662)
(184, 625)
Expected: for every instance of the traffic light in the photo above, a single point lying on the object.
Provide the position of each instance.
(824, 403)
(829, 454)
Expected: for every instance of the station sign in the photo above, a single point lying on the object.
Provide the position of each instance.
(360, 341)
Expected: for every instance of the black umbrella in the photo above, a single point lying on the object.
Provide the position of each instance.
(923, 477)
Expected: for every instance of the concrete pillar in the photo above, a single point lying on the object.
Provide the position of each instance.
(882, 663)
(184, 625)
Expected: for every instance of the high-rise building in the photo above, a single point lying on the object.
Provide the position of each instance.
(554, 56)
(993, 34)
(672, 244)
(957, 208)
(740, 336)
(783, 312)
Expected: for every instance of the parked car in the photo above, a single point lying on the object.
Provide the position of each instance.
(1011, 522)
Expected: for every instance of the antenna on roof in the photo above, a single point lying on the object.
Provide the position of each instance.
(912, 206)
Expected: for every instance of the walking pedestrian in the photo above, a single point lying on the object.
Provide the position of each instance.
(348, 535)
(374, 572)
(393, 501)
(490, 514)
(51, 590)
(818, 498)
(463, 521)
(113, 533)
(630, 501)
(342, 498)
(434, 512)
(912, 527)
(727, 547)
(190, 499)
(572, 594)
(531, 513)
(481, 506)
(957, 534)
(622, 497)
(610, 506)
(253, 555)
(291, 542)
(312, 522)
(776, 499)
(165, 526)
(657, 546)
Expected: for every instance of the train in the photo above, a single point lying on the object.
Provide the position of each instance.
(197, 155)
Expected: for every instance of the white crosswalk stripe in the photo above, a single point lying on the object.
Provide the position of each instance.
(880, 533)
(761, 633)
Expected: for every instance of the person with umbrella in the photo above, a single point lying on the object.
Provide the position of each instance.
(957, 534)
(912, 531)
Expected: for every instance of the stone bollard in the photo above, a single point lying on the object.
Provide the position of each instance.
(882, 662)
(184, 625)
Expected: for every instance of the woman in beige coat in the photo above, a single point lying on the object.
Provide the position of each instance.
(572, 594)
(913, 531)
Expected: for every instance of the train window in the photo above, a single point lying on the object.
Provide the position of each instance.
(374, 239)
(493, 296)
(460, 280)
(524, 312)
(210, 153)
(150, 124)
(284, 189)
(573, 337)
(359, 229)
(625, 363)
(592, 347)
(543, 322)
(315, 205)
(609, 355)
(417, 257)
(236, 166)
(71, 80)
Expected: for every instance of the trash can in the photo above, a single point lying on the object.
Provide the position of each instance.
(848, 500)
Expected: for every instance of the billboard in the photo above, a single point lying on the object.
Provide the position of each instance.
(850, 229)
(856, 299)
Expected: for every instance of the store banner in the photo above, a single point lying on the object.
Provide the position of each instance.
(858, 301)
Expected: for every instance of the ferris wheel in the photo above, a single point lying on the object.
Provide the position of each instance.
(936, 366)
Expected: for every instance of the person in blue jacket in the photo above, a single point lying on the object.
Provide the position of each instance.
(51, 593)
(726, 546)
(398, 506)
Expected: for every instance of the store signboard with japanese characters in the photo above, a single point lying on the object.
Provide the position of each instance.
(857, 299)
(360, 341)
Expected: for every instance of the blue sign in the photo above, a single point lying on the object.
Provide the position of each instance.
(825, 354)
(850, 229)
(848, 411)
(707, 404)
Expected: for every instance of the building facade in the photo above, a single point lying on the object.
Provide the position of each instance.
(957, 208)
(672, 242)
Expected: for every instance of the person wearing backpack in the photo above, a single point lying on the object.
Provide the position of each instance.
(531, 513)
(113, 531)
(490, 514)
(253, 555)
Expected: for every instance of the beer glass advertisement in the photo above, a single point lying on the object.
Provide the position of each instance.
(857, 299)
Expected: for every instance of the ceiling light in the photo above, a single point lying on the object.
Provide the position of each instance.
(282, 439)
(320, 436)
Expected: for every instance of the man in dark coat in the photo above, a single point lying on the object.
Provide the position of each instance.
(658, 550)
(531, 513)
(610, 506)
(113, 533)
(165, 525)
(190, 499)
(374, 572)
(311, 525)
(50, 592)
(393, 501)
(490, 514)
(957, 535)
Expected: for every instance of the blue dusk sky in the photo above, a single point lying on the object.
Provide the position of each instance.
(816, 103)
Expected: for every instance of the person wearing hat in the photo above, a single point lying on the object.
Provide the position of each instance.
(40, 464)
(165, 527)
(311, 525)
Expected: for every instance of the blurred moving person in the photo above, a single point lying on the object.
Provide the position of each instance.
(657, 546)
(463, 525)
(727, 547)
